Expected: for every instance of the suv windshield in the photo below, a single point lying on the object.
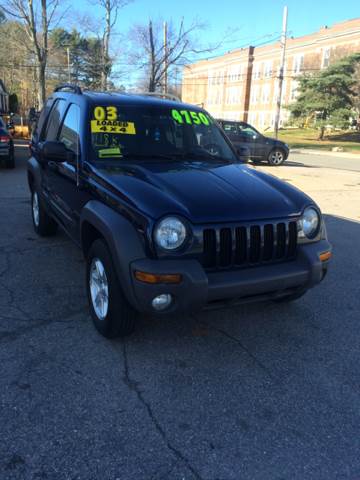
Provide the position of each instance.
(148, 132)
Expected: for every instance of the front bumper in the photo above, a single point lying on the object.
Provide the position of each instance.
(200, 289)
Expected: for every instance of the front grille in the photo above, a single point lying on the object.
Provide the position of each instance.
(249, 245)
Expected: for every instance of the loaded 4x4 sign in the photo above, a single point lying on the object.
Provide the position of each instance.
(112, 126)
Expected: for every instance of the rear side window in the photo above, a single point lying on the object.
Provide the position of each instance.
(70, 130)
(54, 120)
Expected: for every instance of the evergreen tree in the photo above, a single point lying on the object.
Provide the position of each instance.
(328, 97)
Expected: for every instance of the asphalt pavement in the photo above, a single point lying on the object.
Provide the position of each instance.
(262, 391)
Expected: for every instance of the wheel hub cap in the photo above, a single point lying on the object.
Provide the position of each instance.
(99, 288)
(277, 158)
(35, 208)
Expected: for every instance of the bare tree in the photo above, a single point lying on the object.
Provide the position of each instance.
(37, 18)
(148, 52)
(111, 10)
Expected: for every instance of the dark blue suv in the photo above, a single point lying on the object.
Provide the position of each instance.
(168, 217)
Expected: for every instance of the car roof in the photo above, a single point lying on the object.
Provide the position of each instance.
(134, 99)
(107, 98)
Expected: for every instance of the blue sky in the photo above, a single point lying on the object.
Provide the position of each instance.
(254, 20)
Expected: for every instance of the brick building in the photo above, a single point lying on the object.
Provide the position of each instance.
(243, 84)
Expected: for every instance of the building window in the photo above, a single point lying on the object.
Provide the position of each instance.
(233, 95)
(268, 69)
(254, 94)
(261, 120)
(235, 73)
(265, 93)
(252, 118)
(293, 90)
(298, 64)
(256, 71)
(326, 58)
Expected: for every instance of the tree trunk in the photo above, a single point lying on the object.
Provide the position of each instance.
(152, 82)
(321, 134)
(41, 85)
(106, 41)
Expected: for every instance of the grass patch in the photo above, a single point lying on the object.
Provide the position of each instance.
(307, 138)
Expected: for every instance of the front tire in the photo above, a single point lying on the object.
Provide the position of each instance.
(276, 157)
(44, 225)
(111, 313)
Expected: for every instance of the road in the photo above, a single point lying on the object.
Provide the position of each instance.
(266, 391)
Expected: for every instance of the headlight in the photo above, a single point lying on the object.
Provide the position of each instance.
(309, 223)
(170, 233)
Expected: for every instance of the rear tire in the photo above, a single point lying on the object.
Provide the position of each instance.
(10, 162)
(111, 313)
(276, 157)
(290, 298)
(44, 225)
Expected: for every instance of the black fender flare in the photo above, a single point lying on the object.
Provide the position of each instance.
(122, 238)
(34, 168)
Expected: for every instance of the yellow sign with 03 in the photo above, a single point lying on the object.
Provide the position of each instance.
(106, 122)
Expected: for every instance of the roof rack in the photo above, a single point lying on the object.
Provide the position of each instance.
(69, 87)
(168, 96)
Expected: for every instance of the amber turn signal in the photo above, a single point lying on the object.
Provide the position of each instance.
(157, 278)
(325, 256)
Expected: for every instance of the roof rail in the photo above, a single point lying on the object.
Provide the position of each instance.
(70, 87)
(168, 96)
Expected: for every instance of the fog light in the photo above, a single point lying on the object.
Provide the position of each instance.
(161, 301)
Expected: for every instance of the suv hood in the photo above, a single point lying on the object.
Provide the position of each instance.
(203, 192)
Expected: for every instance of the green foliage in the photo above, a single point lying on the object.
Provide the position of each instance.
(328, 97)
(85, 57)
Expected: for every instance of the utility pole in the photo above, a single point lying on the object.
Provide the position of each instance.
(165, 87)
(281, 71)
(68, 63)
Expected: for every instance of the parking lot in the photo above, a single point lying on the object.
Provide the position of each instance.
(261, 391)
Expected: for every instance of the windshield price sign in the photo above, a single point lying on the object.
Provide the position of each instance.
(189, 117)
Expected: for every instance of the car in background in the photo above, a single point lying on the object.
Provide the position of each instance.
(6, 146)
(261, 148)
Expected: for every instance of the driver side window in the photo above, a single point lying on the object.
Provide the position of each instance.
(70, 131)
(248, 131)
(54, 120)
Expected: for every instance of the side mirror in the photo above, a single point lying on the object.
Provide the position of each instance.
(243, 154)
(56, 152)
